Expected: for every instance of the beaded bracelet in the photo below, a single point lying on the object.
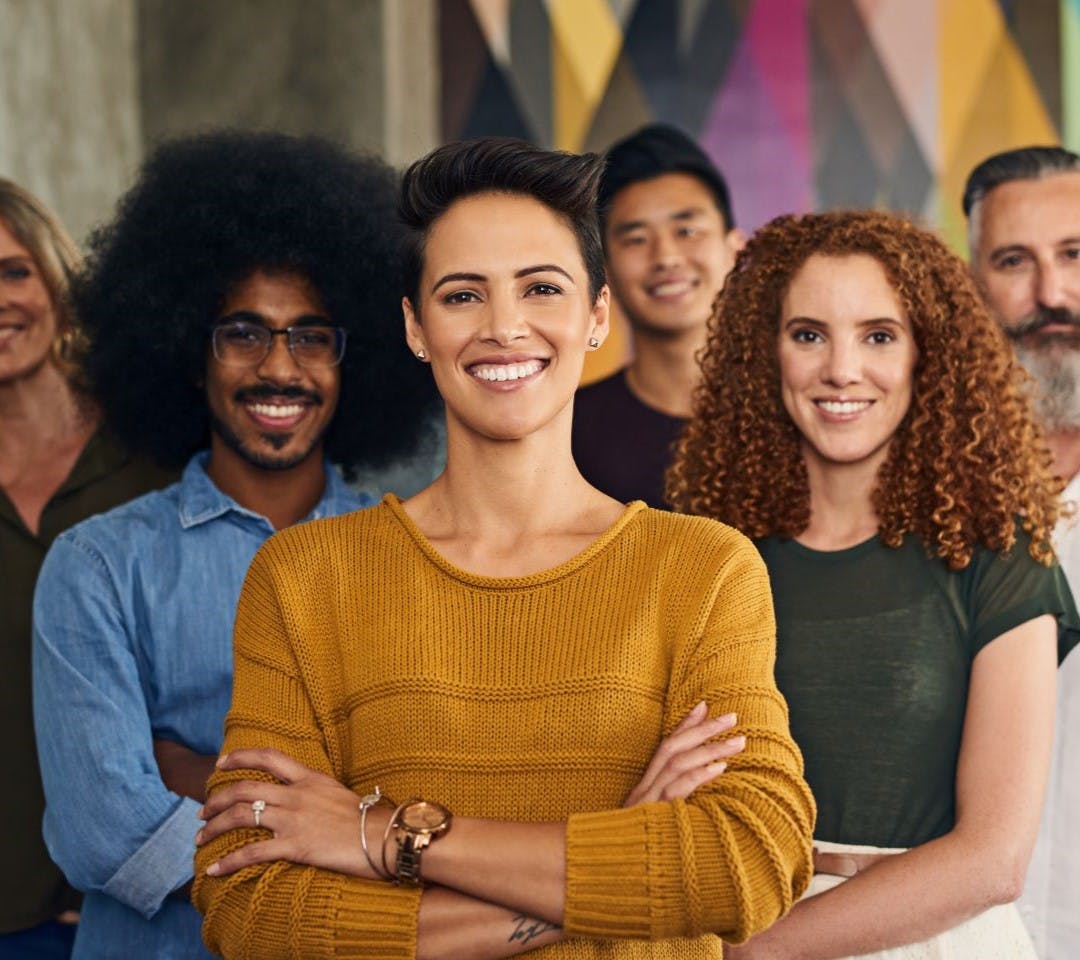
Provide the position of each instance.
(366, 803)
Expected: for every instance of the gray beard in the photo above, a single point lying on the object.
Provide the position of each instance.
(1055, 368)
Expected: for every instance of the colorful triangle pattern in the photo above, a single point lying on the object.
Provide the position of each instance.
(804, 104)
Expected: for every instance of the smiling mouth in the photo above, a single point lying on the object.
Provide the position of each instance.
(276, 412)
(671, 289)
(843, 408)
(7, 333)
(499, 372)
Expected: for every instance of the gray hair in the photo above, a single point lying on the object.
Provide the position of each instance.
(1025, 163)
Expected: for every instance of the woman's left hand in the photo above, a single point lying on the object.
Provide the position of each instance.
(313, 819)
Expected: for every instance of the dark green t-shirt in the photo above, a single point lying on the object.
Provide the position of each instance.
(874, 652)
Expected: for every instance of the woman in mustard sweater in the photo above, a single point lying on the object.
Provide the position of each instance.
(510, 645)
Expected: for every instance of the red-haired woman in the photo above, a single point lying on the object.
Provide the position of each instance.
(862, 418)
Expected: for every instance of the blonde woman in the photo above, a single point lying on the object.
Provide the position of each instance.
(56, 468)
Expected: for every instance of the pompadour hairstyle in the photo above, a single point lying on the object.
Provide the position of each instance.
(564, 182)
(205, 213)
(966, 467)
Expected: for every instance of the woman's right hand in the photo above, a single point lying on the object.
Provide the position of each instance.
(686, 759)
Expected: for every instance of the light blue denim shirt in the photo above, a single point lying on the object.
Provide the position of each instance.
(133, 617)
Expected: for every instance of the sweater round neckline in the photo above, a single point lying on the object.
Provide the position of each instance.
(541, 577)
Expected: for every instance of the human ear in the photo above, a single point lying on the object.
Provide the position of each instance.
(414, 333)
(600, 317)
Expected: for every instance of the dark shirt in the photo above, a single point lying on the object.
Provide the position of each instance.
(874, 648)
(32, 889)
(621, 445)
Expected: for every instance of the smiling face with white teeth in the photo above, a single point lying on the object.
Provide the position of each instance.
(272, 414)
(668, 252)
(28, 323)
(505, 315)
(847, 359)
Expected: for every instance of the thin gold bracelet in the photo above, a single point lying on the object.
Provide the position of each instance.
(366, 803)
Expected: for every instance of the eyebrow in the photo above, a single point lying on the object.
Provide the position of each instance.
(523, 272)
(868, 322)
(250, 316)
(1008, 248)
(628, 226)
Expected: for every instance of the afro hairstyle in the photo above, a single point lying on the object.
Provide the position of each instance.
(205, 213)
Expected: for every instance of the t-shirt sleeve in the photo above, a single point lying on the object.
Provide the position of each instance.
(1010, 589)
(735, 855)
(282, 909)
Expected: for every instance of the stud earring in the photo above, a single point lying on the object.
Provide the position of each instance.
(593, 342)
(420, 355)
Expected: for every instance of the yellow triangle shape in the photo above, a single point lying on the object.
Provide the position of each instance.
(970, 32)
(586, 40)
(1007, 112)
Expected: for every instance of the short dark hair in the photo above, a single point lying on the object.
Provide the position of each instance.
(564, 182)
(207, 212)
(652, 151)
(1025, 163)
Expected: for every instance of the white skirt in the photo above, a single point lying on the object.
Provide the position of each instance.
(995, 934)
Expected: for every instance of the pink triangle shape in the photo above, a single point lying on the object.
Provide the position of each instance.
(762, 148)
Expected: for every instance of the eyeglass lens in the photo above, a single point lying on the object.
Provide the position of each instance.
(240, 342)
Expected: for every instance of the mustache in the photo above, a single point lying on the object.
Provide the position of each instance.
(1041, 318)
(267, 391)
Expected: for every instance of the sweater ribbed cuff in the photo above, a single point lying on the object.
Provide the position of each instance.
(628, 875)
(607, 885)
(326, 916)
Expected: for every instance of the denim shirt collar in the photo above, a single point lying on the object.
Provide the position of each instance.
(201, 501)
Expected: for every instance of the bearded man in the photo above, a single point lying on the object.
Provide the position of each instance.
(1023, 210)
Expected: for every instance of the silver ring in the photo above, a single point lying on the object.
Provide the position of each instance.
(257, 808)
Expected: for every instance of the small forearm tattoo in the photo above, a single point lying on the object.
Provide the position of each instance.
(527, 929)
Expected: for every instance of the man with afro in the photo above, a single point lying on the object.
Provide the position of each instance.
(243, 310)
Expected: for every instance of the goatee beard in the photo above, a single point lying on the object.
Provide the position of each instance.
(265, 461)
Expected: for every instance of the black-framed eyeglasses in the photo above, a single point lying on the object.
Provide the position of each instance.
(240, 343)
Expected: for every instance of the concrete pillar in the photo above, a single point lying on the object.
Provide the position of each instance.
(69, 117)
(361, 72)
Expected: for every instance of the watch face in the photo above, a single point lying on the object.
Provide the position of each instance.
(424, 815)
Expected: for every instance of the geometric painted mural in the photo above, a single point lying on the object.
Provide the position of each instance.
(804, 104)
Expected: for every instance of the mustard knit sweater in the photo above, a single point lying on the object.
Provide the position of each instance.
(363, 653)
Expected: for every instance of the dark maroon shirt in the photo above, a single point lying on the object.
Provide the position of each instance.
(621, 445)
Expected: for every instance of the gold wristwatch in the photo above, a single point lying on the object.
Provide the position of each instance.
(418, 822)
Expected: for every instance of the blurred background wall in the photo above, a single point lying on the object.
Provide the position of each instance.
(803, 103)
(87, 86)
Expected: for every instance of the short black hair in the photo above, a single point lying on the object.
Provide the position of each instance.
(205, 213)
(564, 182)
(1025, 163)
(652, 151)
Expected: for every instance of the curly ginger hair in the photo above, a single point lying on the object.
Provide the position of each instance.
(967, 463)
